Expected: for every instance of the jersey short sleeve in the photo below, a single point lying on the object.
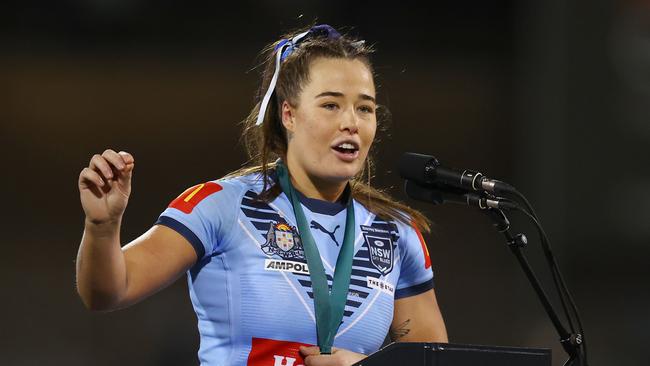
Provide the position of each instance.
(416, 275)
(202, 214)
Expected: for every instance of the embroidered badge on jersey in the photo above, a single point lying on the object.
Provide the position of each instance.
(283, 240)
(380, 248)
(193, 195)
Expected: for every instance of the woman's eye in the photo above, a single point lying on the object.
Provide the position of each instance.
(330, 106)
(366, 109)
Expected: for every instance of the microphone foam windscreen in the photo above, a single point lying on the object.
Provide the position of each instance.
(412, 166)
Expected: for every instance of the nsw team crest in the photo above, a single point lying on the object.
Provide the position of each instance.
(283, 240)
(380, 248)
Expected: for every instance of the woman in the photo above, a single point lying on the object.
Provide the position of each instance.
(264, 294)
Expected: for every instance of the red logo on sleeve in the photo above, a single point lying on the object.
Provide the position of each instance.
(425, 250)
(269, 352)
(192, 196)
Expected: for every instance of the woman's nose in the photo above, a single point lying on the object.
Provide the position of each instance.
(350, 121)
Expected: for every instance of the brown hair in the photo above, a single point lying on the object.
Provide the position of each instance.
(268, 142)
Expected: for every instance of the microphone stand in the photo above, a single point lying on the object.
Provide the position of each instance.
(570, 342)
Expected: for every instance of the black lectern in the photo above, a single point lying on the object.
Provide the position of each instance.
(447, 354)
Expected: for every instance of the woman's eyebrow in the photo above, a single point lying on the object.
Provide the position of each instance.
(367, 97)
(329, 94)
(339, 94)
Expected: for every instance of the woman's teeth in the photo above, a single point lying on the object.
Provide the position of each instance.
(346, 148)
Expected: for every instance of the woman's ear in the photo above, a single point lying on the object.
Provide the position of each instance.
(287, 116)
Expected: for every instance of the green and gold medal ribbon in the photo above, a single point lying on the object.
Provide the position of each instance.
(328, 306)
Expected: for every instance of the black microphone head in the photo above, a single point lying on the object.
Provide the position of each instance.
(422, 193)
(417, 167)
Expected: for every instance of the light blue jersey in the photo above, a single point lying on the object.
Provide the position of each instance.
(251, 289)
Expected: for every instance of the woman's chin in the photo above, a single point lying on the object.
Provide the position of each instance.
(340, 174)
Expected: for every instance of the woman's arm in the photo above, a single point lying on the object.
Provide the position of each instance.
(418, 319)
(109, 276)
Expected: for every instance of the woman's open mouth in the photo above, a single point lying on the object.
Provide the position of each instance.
(346, 151)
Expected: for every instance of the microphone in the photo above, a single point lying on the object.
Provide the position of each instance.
(427, 170)
(443, 194)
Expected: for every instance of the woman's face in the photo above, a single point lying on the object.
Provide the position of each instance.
(332, 127)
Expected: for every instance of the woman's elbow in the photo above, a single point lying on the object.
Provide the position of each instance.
(97, 302)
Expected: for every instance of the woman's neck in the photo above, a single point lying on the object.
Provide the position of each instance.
(315, 188)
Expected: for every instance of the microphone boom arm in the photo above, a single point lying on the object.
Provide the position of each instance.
(570, 342)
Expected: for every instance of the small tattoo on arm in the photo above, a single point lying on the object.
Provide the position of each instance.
(400, 331)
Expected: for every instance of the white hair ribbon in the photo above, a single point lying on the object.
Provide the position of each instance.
(279, 57)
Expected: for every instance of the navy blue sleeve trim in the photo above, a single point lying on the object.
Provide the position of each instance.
(187, 234)
(414, 290)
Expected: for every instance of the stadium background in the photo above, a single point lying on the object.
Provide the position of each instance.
(551, 96)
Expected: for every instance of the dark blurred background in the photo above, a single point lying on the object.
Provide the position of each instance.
(551, 96)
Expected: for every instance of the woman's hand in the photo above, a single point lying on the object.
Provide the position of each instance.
(110, 276)
(105, 186)
(339, 357)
